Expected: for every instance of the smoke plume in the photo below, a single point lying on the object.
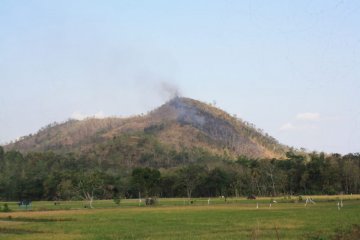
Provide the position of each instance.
(169, 90)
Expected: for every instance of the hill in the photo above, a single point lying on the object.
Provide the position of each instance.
(180, 125)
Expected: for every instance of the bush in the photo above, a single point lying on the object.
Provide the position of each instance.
(150, 201)
(6, 208)
(117, 200)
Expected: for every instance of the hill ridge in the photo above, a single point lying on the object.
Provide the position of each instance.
(180, 122)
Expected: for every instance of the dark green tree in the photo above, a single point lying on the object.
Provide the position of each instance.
(146, 181)
(218, 183)
(190, 177)
(2, 153)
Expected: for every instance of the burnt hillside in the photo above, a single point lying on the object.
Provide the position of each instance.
(181, 123)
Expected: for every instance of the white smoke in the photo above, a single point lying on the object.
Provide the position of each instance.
(82, 116)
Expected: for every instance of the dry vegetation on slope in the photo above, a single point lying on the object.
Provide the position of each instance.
(180, 123)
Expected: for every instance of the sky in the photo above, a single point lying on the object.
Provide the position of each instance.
(292, 68)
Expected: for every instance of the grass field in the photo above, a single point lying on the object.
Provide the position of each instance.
(178, 219)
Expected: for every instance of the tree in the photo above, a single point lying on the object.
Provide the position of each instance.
(238, 178)
(66, 189)
(268, 167)
(146, 181)
(351, 173)
(190, 176)
(2, 153)
(2, 160)
(13, 174)
(90, 185)
(294, 167)
(168, 185)
(218, 182)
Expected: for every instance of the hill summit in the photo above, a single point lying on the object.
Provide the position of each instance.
(181, 123)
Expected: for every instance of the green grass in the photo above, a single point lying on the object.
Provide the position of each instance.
(176, 219)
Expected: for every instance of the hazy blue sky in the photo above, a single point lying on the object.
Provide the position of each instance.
(290, 67)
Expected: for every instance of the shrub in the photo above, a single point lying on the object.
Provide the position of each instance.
(6, 208)
(150, 201)
(117, 200)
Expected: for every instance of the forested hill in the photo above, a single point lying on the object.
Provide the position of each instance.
(183, 148)
(182, 124)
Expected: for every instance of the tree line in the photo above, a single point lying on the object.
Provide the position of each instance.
(50, 176)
